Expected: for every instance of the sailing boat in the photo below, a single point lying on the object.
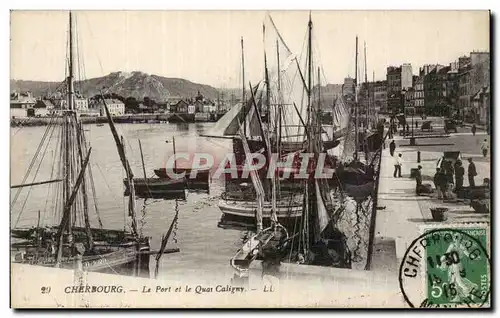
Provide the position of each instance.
(335, 227)
(66, 245)
(277, 108)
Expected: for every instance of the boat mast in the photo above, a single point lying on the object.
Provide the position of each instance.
(274, 217)
(309, 81)
(356, 147)
(243, 93)
(68, 167)
(278, 135)
(310, 141)
(77, 128)
(126, 165)
(367, 94)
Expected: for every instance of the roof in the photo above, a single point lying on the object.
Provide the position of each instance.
(444, 70)
(45, 102)
(23, 100)
(113, 101)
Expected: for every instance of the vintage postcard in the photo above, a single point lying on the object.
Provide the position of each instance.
(250, 159)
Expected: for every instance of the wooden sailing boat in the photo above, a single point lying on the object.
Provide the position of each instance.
(66, 245)
(315, 235)
(281, 117)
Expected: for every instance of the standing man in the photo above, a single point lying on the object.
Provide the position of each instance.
(392, 147)
(471, 173)
(418, 179)
(473, 129)
(484, 148)
(397, 166)
(439, 182)
(459, 175)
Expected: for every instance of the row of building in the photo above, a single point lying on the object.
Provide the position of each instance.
(25, 105)
(460, 89)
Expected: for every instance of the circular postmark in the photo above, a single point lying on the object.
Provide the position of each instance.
(447, 268)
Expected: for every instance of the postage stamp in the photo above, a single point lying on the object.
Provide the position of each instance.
(249, 158)
(453, 265)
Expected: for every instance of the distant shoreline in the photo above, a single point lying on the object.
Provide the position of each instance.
(124, 119)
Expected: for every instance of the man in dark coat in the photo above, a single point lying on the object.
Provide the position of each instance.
(459, 175)
(418, 179)
(440, 183)
(471, 173)
(392, 147)
(473, 129)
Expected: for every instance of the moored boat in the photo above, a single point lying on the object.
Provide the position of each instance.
(156, 187)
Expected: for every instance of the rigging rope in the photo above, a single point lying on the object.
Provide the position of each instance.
(40, 145)
(36, 173)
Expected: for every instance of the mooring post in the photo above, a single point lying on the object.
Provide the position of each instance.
(418, 156)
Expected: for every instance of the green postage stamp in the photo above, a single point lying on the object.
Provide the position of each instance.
(458, 267)
(448, 266)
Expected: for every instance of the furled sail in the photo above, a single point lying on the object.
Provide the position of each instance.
(257, 183)
(322, 218)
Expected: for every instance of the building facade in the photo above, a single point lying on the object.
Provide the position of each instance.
(380, 96)
(81, 104)
(406, 76)
(418, 94)
(21, 105)
(22, 100)
(480, 87)
(394, 102)
(115, 106)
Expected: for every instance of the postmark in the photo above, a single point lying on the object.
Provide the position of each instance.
(447, 267)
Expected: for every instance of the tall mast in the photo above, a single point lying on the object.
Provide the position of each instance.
(373, 101)
(278, 135)
(126, 165)
(274, 217)
(367, 93)
(268, 84)
(67, 145)
(318, 109)
(309, 80)
(356, 103)
(71, 61)
(308, 186)
(243, 93)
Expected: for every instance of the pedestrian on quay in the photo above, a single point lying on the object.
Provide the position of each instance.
(449, 173)
(416, 124)
(473, 129)
(440, 183)
(484, 148)
(418, 179)
(398, 162)
(459, 176)
(471, 173)
(392, 147)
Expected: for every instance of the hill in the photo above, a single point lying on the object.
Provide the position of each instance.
(135, 84)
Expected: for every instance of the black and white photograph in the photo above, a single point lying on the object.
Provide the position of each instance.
(250, 159)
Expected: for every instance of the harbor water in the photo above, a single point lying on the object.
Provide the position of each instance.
(204, 247)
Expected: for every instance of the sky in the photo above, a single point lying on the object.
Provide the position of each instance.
(204, 46)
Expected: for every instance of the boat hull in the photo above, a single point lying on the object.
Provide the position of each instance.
(155, 187)
(121, 261)
(199, 183)
(241, 214)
